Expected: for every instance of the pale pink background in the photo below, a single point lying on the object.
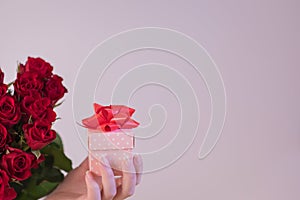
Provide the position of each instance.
(256, 46)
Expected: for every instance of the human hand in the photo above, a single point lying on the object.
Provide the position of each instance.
(81, 184)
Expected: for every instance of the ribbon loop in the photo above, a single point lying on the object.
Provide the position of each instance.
(110, 118)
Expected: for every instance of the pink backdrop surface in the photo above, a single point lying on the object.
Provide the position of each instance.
(256, 46)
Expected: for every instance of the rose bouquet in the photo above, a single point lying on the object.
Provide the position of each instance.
(31, 152)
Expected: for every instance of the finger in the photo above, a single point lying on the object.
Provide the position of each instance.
(93, 190)
(108, 181)
(118, 182)
(138, 165)
(129, 180)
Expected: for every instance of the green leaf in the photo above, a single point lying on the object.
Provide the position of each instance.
(49, 160)
(58, 142)
(38, 191)
(36, 186)
(60, 160)
(17, 186)
(51, 175)
(58, 104)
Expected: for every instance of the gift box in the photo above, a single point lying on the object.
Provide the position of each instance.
(110, 135)
(116, 146)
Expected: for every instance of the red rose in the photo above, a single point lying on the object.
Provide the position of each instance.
(6, 192)
(54, 88)
(9, 111)
(38, 108)
(4, 137)
(1, 76)
(18, 163)
(3, 89)
(38, 65)
(27, 82)
(38, 134)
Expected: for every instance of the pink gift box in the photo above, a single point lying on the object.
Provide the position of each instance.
(116, 146)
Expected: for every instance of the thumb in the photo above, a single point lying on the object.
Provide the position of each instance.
(93, 189)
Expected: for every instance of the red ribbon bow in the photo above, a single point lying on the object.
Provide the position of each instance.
(110, 118)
